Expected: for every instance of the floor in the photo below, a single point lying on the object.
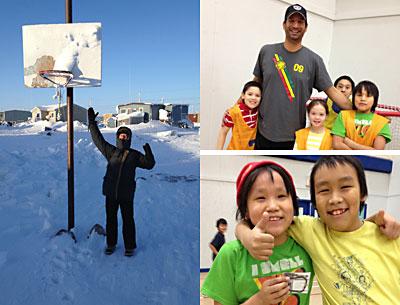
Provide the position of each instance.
(315, 299)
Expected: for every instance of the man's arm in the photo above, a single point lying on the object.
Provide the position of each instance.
(338, 98)
(257, 79)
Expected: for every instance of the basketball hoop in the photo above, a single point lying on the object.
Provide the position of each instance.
(59, 78)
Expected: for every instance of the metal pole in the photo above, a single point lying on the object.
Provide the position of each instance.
(70, 132)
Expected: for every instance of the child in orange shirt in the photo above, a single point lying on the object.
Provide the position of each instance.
(242, 119)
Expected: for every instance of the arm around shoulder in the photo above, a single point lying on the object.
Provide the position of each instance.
(338, 98)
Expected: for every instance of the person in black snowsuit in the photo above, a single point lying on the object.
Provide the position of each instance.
(119, 182)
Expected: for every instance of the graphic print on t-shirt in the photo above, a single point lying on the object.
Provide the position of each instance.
(362, 127)
(353, 279)
(292, 299)
(286, 79)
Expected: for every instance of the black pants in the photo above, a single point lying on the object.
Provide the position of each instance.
(264, 143)
(128, 223)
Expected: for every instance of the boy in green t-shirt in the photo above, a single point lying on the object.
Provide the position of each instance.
(266, 199)
(361, 128)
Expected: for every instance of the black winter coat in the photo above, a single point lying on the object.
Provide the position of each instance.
(119, 182)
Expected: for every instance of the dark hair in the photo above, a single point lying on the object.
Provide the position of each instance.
(371, 89)
(252, 83)
(332, 162)
(221, 221)
(346, 78)
(318, 102)
(248, 184)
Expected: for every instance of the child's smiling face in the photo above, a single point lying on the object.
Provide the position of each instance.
(252, 97)
(337, 196)
(363, 101)
(317, 115)
(269, 194)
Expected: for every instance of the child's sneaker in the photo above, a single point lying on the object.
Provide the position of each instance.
(129, 252)
(109, 250)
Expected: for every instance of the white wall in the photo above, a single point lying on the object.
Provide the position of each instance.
(218, 191)
(393, 206)
(356, 37)
(365, 45)
(231, 35)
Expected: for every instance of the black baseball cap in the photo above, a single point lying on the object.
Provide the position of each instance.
(296, 8)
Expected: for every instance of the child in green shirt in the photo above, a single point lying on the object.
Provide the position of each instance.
(361, 128)
(266, 199)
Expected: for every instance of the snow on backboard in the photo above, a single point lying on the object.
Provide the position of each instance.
(74, 47)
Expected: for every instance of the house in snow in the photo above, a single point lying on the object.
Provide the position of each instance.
(110, 120)
(14, 116)
(55, 113)
(135, 113)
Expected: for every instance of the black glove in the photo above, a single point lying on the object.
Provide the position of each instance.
(92, 116)
(147, 148)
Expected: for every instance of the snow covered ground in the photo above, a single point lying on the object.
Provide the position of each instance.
(37, 268)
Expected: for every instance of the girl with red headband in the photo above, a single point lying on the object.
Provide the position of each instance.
(266, 198)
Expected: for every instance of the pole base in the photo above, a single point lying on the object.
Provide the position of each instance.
(97, 229)
(69, 232)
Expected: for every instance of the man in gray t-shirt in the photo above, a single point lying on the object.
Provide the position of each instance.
(288, 72)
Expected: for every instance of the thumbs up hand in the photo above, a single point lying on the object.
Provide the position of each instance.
(257, 241)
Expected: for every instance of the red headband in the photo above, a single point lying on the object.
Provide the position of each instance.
(250, 167)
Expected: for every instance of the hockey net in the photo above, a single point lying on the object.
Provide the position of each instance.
(393, 114)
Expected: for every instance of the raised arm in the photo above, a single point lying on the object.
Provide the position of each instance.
(98, 139)
(147, 160)
(256, 241)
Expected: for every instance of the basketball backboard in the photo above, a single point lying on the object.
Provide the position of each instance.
(74, 47)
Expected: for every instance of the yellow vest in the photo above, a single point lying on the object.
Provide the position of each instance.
(377, 123)
(243, 137)
(302, 135)
(332, 115)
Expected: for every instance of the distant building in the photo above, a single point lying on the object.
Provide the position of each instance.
(135, 113)
(178, 112)
(149, 108)
(14, 116)
(55, 113)
(110, 120)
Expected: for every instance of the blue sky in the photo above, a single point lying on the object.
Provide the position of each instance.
(149, 48)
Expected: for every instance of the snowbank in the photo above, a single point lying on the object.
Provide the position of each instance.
(37, 268)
